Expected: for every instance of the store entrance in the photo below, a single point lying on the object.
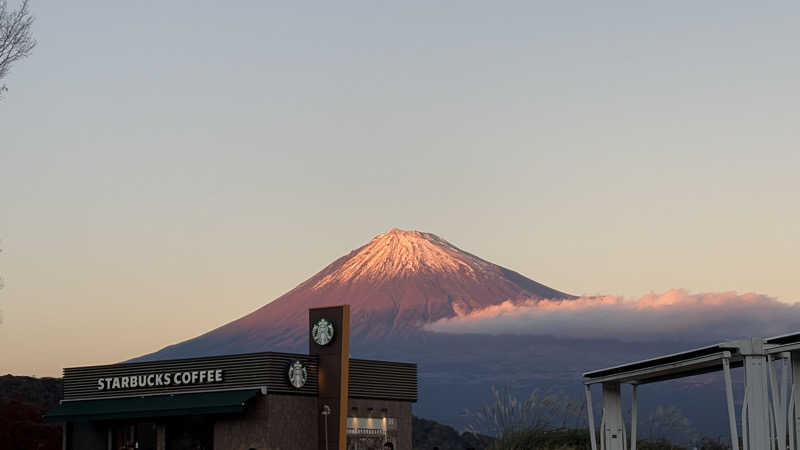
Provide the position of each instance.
(133, 436)
(190, 433)
(177, 433)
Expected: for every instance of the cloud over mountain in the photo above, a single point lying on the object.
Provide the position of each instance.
(673, 315)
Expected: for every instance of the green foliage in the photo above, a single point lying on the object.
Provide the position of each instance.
(23, 402)
(668, 422)
(43, 393)
(428, 434)
(553, 421)
(571, 439)
(21, 427)
(506, 414)
(710, 444)
(656, 444)
(563, 439)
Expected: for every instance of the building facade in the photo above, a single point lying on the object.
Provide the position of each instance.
(263, 401)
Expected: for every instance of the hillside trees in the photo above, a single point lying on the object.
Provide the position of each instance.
(23, 402)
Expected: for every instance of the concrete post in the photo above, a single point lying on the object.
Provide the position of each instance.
(590, 412)
(726, 367)
(795, 407)
(634, 416)
(755, 367)
(613, 434)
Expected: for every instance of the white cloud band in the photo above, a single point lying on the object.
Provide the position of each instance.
(675, 315)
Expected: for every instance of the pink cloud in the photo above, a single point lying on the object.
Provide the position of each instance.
(675, 314)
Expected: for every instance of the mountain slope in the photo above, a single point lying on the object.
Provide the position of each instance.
(395, 284)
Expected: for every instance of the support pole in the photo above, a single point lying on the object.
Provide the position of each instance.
(603, 430)
(614, 428)
(771, 420)
(745, 437)
(634, 415)
(795, 416)
(758, 413)
(624, 436)
(792, 422)
(591, 417)
(786, 365)
(778, 417)
(726, 365)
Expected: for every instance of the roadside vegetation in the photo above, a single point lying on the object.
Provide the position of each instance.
(554, 421)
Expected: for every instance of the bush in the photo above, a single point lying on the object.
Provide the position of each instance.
(21, 427)
(562, 439)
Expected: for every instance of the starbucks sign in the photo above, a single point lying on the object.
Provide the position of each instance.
(322, 332)
(297, 374)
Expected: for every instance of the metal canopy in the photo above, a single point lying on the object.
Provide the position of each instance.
(783, 339)
(676, 365)
(780, 344)
(661, 371)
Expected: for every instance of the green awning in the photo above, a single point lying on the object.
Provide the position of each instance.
(220, 402)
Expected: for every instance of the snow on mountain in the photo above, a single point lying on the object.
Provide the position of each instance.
(396, 284)
(399, 253)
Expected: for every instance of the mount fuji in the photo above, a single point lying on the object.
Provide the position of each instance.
(395, 284)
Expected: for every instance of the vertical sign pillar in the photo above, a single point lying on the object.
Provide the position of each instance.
(334, 371)
(613, 428)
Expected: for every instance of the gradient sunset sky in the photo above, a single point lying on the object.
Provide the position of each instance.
(166, 167)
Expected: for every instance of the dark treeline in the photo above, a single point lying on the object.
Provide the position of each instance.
(23, 402)
(44, 393)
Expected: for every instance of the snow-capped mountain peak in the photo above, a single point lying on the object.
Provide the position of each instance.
(400, 253)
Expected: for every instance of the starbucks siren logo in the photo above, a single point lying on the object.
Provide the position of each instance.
(322, 332)
(297, 374)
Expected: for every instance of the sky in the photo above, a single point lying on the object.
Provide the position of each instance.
(166, 167)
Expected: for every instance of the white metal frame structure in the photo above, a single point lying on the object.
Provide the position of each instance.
(770, 411)
(785, 351)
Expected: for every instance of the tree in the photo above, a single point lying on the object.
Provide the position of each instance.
(16, 41)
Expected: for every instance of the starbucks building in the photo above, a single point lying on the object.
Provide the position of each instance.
(265, 401)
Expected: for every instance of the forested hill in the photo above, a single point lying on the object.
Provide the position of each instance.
(43, 393)
(23, 403)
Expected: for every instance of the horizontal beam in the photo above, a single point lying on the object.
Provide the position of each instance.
(664, 371)
(773, 349)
